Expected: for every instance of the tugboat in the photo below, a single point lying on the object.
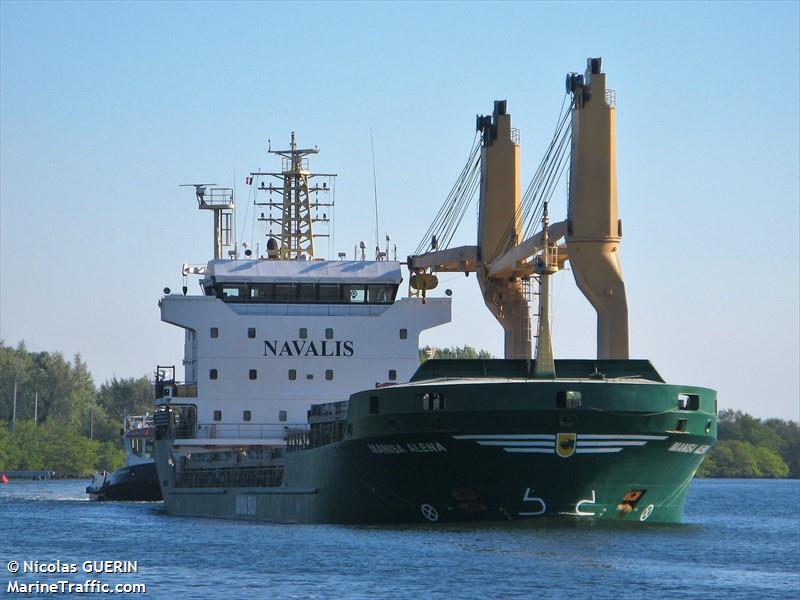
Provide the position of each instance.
(525, 437)
(137, 480)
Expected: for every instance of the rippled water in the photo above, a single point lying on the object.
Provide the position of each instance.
(741, 539)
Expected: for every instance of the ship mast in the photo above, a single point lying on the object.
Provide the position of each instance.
(219, 200)
(298, 208)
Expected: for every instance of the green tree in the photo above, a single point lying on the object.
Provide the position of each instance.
(738, 458)
(5, 448)
(455, 352)
(26, 451)
(110, 456)
(769, 463)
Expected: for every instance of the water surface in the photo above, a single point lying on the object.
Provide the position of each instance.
(741, 539)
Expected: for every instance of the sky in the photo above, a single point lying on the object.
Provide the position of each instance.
(105, 108)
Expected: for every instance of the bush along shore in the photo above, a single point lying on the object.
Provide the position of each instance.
(65, 424)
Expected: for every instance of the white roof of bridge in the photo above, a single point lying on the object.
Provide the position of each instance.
(311, 271)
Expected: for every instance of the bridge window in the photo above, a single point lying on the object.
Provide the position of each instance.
(330, 293)
(284, 292)
(261, 292)
(307, 293)
(229, 292)
(381, 294)
(213, 374)
(354, 294)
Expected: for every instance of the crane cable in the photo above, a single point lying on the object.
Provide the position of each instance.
(541, 185)
(452, 210)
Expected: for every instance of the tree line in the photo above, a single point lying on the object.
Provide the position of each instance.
(750, 447)
(61, 421)
(65, 424)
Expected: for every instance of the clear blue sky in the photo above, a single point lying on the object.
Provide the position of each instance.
(106, 107)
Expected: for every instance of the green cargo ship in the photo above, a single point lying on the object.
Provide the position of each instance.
(521, 438)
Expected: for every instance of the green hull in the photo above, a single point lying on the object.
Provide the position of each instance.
(484, 450)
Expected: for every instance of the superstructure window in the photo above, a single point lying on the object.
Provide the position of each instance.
(292, 374)
(229, 292)
(251, 332)
(306, 293)
(330, 293)
(392, 375)
(284, 292)
(329, 333)
(354, 294)
(329, 374)
(253, 374)
(303, 333)
(213, 374)
(247, 415)
(404, 334)
(380, 294)
(261, 292)
(218, 415)
(282, 415)
(214, 332)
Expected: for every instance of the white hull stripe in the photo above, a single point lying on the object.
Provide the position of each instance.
(506, 437)
(586, 436)
(545, 443)
(581, 443)
(577, 450)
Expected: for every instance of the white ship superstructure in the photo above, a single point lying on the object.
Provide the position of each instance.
(269, 336)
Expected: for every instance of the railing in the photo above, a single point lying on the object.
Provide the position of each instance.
(320, 435)
(288, 165)
(217, 196)
(611, 98)
(241, 431)
(337, 410)
(238, 477)
(515, 135)
(167, 388)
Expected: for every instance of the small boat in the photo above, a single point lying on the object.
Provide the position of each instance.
(138, 479)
